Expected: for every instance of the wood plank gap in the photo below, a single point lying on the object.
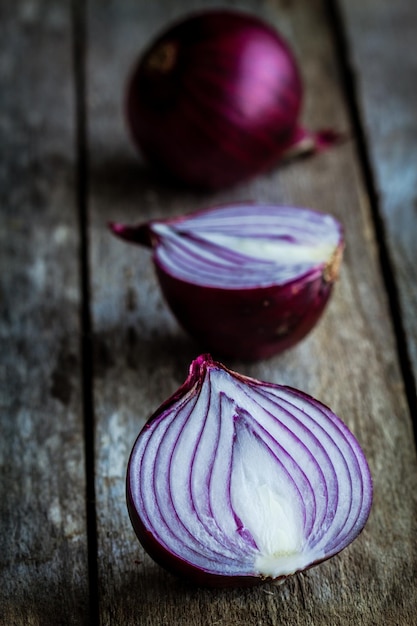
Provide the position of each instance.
(349, 85)
(79, 65)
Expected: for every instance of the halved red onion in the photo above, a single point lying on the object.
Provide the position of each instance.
(233, 481)
(216, 98)
(245, 280)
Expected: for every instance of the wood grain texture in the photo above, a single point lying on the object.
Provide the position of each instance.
(43, 552)
(349, 361)
(382, 41)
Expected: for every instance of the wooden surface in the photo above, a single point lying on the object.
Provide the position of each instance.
(89, 350)
(382, 36)
(43, 540)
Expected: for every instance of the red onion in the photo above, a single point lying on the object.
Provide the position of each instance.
(216, 99)
(245, 280)
(233, 481)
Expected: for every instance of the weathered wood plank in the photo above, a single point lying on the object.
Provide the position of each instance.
(382, 38)
(141, 356)
(43, 549)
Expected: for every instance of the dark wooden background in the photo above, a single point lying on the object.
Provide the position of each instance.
(89, 350)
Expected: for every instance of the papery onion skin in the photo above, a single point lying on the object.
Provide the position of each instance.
(216, 100)
(254, 321)
(340, 459)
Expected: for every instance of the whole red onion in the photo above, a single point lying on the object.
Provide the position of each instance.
(216, 99)
(233, 481)
(246, 280)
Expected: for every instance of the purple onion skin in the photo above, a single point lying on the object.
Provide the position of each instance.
(178, 566)
(249, 323)
(215, 99)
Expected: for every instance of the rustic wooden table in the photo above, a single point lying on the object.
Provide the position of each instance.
(89, 350)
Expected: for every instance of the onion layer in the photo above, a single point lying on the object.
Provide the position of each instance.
(233, 481)
(245, 280)
(216, 99)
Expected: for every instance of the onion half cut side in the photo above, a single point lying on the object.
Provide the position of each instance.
(245, 280)
(234, 481)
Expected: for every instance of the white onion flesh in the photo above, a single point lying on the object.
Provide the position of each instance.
(245, 246)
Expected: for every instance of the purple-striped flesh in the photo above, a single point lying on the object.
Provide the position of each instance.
(234, 481)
